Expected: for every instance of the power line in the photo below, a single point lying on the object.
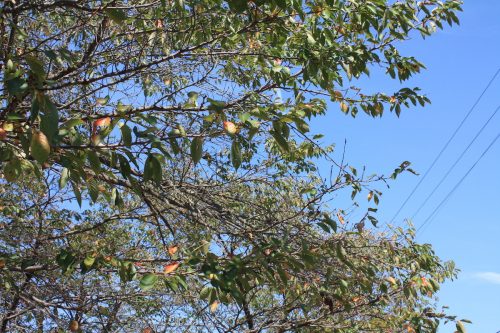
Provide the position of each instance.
(433, 216)
(459, 183)
(456, 162)
(446, 145)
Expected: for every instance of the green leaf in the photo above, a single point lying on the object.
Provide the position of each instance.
(127, 271)
(34, 110)
(36, 66)
(94, 161)
(148, 281)
(193, 98)
(116, 197)
(236, 154)
(78, 193)
(50, 119)
(174, 145)
(282, 142)
(341, 252)
(12, 170)
(16, 86)
(123, 107)
(216, 105)
(302, 126)
(117, 15)
(102, 100)
(124, 166)
(126, 135)
(88, 262)
(72, 123)
(93, 190)
(205, 246)
(205, 292)
(244, 116)
(330, 222)
(196, 149)
(65, 260)
(323, 226)
(238, 6)
(152, 169)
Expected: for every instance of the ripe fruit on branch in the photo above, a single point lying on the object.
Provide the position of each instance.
(74, 326)
(40, 147)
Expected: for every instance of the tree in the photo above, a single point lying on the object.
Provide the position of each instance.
(280, 269)
(184, 126)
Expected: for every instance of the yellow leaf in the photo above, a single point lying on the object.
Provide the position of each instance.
(9, 127)
(344, 107)
(214, 306)
(391, 280)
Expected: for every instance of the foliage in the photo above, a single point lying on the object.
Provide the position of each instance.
(277, 270)
(183, 127)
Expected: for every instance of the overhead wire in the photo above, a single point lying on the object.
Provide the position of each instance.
(457, 184)
(446, 145)
(450, 169)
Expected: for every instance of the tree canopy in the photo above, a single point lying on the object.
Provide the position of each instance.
(160, 173)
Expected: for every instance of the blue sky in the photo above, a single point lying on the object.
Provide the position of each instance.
(460, 61)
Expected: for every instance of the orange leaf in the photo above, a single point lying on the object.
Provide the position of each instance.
(103, 122)
(341, 218)
(96, 140)
(167, 269)
(173, 249)
(338, 95)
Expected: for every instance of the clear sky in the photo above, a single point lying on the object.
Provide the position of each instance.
(460, 61)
